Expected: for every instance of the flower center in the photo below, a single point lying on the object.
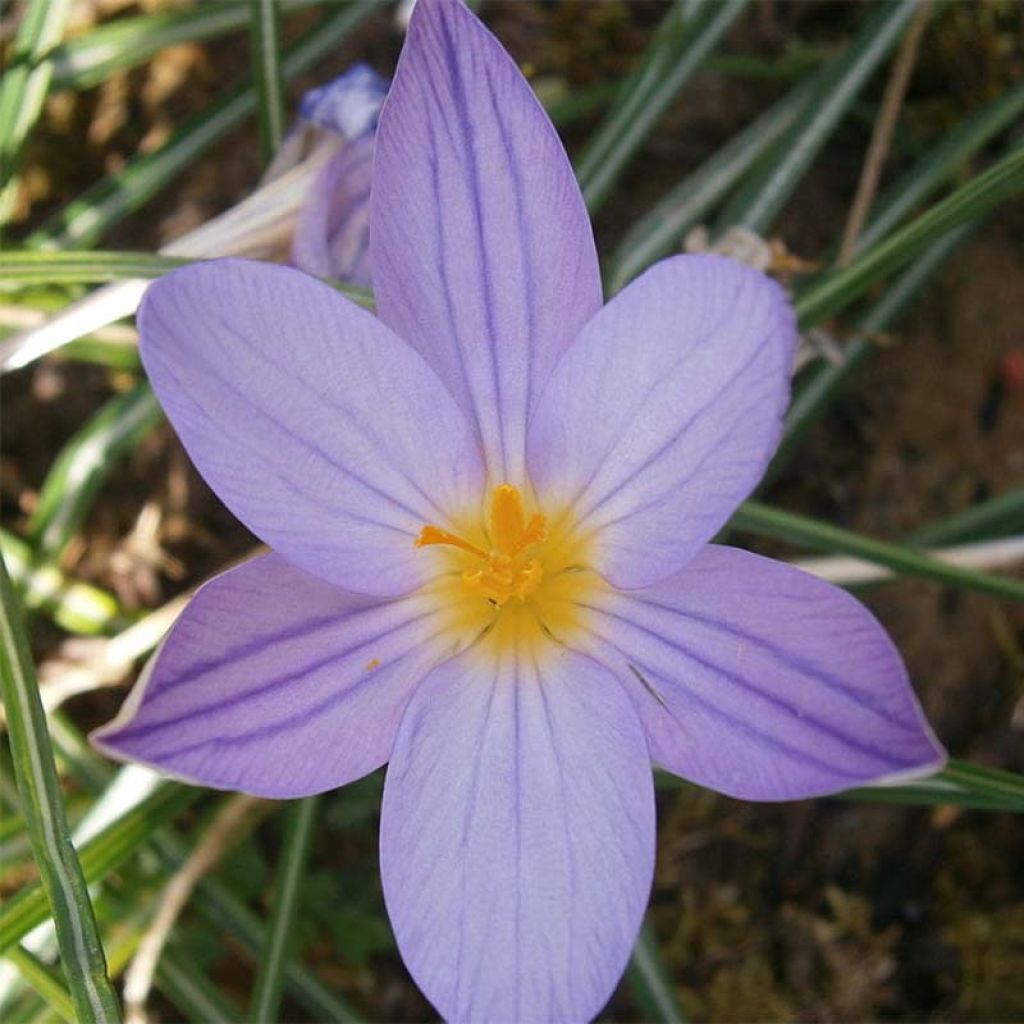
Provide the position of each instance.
(509, 569)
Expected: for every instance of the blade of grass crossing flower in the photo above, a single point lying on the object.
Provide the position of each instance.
(959, 783)
(780, 171)
(649, 980)
(822, 382)
(264, 44)
(44, 981)
(47, 268)
(685, 37)
(1002, 514)
(85, 463)
(77, 607)
(765, 521)
(83, 221)
(266, 998)
(660, 230)
(39, 268)
(99, 856)
(941, 163)
(24, 85)
(972, 200)
(60, 872)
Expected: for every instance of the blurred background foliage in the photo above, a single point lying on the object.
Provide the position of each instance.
(129, 123)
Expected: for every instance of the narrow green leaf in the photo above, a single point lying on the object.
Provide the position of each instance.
(969, 202)
(25, 268)
(264, 42)
(192, 992)
(659, 231)
(43, 980)
(783, 167)
(215, 901)
(940, 164)
(85, 463)
(959, 783)
(266, 998)
(62, 881)
(823, 382)
(89, 59)
(86, 219)
(24, 84)
(77, 607)
(649, 981)
(99, 856)
(685, 37)
(999, 515)
(765, 521)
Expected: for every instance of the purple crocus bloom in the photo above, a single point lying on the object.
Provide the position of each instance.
(490, 511)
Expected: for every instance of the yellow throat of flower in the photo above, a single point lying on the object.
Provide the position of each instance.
(506, 571)
(511, 578)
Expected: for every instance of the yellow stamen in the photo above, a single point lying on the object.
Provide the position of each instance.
(507, 571)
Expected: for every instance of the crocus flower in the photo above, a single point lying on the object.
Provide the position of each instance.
(490, 510)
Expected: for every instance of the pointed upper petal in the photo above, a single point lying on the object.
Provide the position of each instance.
(762, 682)
(319, 428)
(483, 257)
(275, 683)
(663, 415)
(517, 837)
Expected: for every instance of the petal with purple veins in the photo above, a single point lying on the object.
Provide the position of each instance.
(483, 257)
(275, 683)
(320, 429)
(517, 837)
(663, 415)
(762, 682)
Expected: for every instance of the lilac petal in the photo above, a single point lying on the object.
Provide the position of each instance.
(762, 682)
(275, 683)
(482, 252)
(517, 836)
(663, 415)
(323, 432)
(332, 232)
(348, 105)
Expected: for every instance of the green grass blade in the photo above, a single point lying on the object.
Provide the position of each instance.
(61, 875)
(971, 201)
(102, 266)
(84, 465)
(765, 521)
(99, 856)
(782, 168)
(266, 999)
(24, 84)
(649, 981)
(77, 607)
(265, 44)
(658, 232)
(823, 382)
(681, 43)
(940, 164)
(88, 60)
(40, 268)
(959, 783)
(43, 980)
(198, 998)
(86, 219)
(1002, 514)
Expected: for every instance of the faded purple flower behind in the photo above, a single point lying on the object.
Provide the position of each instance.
(332, 233)
(491, 510)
